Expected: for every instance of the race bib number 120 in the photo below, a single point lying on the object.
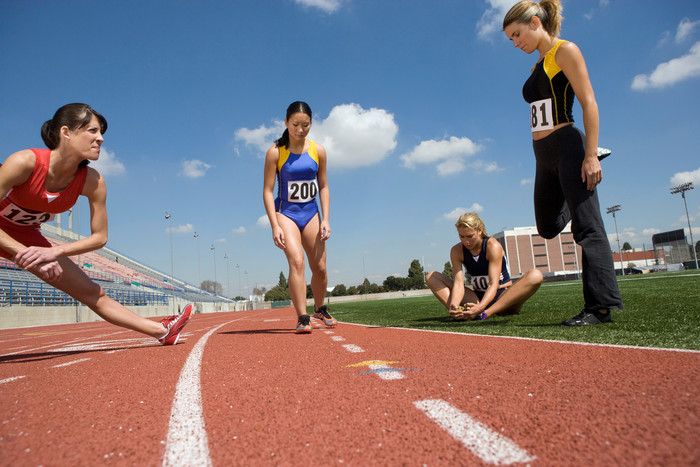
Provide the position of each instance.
(541, 115)
(301, 191)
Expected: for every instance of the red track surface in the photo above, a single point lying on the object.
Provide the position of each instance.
(92, 394)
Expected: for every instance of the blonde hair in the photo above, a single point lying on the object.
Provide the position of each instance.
(548, 12)
(471, 220)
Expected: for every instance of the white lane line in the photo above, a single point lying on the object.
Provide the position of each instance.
(338, 338)
(187, 442)
(7, 380)
(71, 363)
(484, 443)
(353, 348)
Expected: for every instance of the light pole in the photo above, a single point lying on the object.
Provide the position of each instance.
(228, 281)
(213, 249)
(682, 189)
(199, 265)
(172, 273)
(239, 278)
(613, 210)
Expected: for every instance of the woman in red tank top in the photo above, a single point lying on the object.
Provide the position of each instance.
(37, 183)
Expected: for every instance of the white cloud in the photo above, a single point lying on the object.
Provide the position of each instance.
(262, 137)
(263, 221)
(352, 136)
(181, 229)
(526, 181)
(685, 29)
(453, 215)
(450, 155)
(107, 164)
(239, 230)
(355, 137)
(671, 72)
(329, 6)
(491, 22)
(685, 177)
(195, 168)
(220, 240)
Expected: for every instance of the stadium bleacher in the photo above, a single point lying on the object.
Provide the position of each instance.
(123, 279)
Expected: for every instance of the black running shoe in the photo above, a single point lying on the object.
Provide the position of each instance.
(586, 318)
(303, 325)
(323, 315)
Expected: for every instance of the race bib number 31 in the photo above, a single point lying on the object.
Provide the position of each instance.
(301, 191)
(541, 115)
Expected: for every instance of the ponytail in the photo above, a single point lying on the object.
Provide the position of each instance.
(548, 12)
(284, 139)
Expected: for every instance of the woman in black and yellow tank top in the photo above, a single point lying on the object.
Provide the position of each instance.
(568, 169)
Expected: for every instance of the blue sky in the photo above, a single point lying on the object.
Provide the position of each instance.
(418, 104)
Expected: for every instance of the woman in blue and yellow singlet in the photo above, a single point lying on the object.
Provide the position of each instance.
(299, 166)
(492, 292)
(568, 169)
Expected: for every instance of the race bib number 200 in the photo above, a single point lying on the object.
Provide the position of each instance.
(301, 191)
(541, 115)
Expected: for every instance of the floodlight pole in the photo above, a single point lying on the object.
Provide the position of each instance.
(613, 210)
(682, 189)
(172, 273)
(199, 264)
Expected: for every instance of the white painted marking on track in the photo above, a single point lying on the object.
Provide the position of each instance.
(71, 363)
(271, 320)
(353, 348)
(484, 443)
(7, 380)
(187, 442)
(385, 372)
(328, 332)
(338, 338)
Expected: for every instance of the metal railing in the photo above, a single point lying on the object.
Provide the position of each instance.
(37, 293)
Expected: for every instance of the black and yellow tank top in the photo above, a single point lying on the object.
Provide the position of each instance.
(550, 89)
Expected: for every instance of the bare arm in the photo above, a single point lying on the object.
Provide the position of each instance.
(571, 61)
(271, 158)
(458, 280)
(324, 193)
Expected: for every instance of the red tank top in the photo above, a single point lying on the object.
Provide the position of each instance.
(30, 204)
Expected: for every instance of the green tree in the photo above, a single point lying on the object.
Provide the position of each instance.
(277, 294)
(416, 276)
(339, 290)
(393, 283)
(447, 270)
(626, 247)
(283, 281)
(352, 290)
(365, 287)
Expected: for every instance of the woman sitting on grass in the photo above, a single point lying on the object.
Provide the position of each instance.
(485, 261)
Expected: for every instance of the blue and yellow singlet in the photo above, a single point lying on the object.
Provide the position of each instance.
(296, 185)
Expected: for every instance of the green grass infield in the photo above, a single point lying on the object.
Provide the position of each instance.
(661, 310)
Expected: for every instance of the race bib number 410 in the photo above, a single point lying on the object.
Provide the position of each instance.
(301, 191)
(17, 215)
(541, 115)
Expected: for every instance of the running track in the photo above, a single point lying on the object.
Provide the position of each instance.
(243, 389)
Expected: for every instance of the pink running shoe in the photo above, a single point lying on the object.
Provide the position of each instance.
(174, 325)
